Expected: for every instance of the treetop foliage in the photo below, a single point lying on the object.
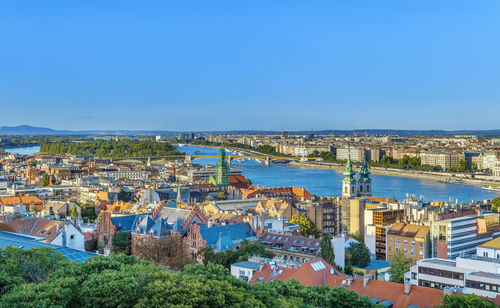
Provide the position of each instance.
(111, 148)
(126, 281)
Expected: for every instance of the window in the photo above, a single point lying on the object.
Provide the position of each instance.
(390, 248)
(412, 252)
(406, 242)
(72, 236)
(420, 253)
(421, 245)
(390, 240)
(242, 273)
(406, 251)
(398, 241)
(412, 243)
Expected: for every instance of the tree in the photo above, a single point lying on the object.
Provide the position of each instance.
(122, 195)
(169, 251)
(495, 204)
(326, 249)
(246, 250)
(360, 254)
(45, 180)
(73, 213)
(400, 265)
(121, 242)
(465, 301)
(307, 227)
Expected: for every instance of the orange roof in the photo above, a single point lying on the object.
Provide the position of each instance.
(39, 227)
(382, 290)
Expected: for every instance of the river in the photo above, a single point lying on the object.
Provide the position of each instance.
(324, 182)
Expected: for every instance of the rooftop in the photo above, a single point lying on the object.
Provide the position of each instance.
(28, 242)
(440, 262)
(494, 243)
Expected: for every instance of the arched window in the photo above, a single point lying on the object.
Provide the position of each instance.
(361, 188)
(345, 189)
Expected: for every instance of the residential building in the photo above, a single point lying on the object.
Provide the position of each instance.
(412, 240)
(458, 236)
(244, 270)
(317, 272)
(377, 223)
(291, 247)
(60, 233)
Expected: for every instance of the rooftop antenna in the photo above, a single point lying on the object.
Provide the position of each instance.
(354, 133)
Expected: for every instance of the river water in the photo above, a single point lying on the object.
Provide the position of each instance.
(324, 182)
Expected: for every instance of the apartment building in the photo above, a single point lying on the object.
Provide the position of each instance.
(445, 160)
(378, 221)
(454, 237)
(473, 274)
(356, 154)
(412, 240)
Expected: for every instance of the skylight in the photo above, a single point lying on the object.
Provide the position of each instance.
(318, 265)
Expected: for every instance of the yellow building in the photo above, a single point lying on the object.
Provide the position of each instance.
(412, 240)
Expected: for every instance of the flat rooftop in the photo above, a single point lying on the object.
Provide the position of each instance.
(440, 262)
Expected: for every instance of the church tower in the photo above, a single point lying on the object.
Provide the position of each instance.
(222, 170)
(349, 187)
(364, 182)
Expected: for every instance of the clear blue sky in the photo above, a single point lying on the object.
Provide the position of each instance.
(221, 65)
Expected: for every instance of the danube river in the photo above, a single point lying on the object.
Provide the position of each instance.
(323, 182)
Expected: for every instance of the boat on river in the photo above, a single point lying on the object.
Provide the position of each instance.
(491, 188)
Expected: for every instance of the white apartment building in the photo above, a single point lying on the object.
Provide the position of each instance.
(356, 154)
(475, 274)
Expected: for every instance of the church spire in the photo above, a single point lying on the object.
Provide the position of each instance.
(364, 172)
(349, 173)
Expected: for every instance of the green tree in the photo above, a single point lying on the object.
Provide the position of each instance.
(121, 242)
(495, 204)
(326, 249)
(400, 265)
(465, 301)
(307, 227)
(73, 213)
(360, 254)
(45, 180)
(122, 195)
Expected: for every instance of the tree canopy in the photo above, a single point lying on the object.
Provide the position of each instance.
(465, 301)
(307, 227)
(246, 250)
(360, 254)
(495, 204)
(400, 265)
(110, 148)
(126, 281)
(121, 242)
(326, 249)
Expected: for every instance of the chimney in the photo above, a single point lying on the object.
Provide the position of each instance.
(366, 280)
(407, 289)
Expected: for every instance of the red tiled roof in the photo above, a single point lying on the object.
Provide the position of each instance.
(382, 290)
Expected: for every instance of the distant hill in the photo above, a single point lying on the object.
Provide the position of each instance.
(26, 130)
(33, 130)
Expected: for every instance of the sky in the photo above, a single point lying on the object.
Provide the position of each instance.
(264, 65)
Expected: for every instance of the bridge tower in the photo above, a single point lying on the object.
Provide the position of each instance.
(148, 164)
(229, 160)
(268, 161)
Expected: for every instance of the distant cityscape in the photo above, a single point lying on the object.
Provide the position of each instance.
(90, 196)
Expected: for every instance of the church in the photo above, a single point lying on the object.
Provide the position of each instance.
(352, 187)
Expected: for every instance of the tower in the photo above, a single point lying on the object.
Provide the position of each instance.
(222, 170)
(349, 187)
(364, 182)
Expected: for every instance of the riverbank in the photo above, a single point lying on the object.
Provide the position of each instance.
(424, 175)
(402, 173)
